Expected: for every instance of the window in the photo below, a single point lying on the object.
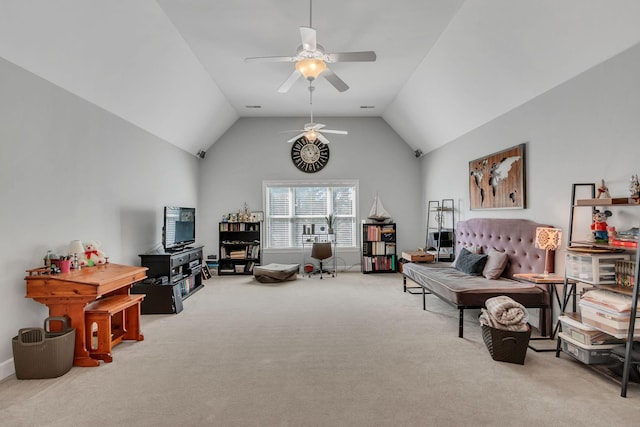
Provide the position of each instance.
(291, 205)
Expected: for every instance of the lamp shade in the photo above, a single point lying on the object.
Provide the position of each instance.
(311, 68)
(76, 247)
(548, 238)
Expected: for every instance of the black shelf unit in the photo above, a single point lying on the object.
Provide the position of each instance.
(379, 249)
(240, 247)
(570, 290)
(177, 276)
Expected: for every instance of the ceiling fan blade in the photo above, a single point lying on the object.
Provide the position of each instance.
(367, 56)
(323, 139)
(311, 126)
(271, 59)
(334, 80)
(308, 36)
(296, 137)
(339, 132)
(289, 82)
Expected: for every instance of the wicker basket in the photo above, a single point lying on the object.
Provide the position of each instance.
(39, 353)
(506, 346)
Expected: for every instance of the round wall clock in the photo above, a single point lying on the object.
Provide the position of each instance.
(309, 156)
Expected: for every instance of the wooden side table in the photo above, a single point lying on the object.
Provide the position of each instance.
(552, 280)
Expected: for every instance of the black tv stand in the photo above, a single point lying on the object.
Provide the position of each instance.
(182, 267)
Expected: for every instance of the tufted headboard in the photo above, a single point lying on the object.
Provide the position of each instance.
(516, 237)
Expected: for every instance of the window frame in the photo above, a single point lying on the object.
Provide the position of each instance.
(291, 184)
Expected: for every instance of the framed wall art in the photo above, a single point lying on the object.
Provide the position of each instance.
(497, 181)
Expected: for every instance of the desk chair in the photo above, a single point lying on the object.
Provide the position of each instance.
(321, 251)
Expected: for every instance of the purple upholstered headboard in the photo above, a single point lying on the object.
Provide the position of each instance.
(514, 236)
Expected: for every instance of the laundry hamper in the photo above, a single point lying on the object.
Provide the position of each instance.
(506, 346)
(39, 353)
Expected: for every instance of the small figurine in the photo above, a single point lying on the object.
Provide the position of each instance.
(603, 190)
(599, 226)
(634, 188)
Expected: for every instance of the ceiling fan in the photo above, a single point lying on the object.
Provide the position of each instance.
(311, 60)
(314, 131)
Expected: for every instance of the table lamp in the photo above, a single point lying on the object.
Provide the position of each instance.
(75, 248)
(548, 238)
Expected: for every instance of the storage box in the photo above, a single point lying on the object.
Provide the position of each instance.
(506, 346)
(39, 353)
(584, 334)
(606, 320)
(418, 256)
(593, 268)
(446, 239)
(588, 354)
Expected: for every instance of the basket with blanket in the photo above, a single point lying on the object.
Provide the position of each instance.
(505, 330)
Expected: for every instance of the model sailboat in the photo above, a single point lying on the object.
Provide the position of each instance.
(378, 212)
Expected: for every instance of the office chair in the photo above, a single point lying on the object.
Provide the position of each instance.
(321, 251)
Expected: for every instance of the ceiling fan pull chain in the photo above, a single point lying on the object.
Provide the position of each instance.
(311, 99)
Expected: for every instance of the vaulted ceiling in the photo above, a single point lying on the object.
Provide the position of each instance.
(444, 67)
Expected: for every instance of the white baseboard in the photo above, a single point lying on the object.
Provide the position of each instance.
(7, 369)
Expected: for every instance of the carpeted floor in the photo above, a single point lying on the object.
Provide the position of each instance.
(349, 351)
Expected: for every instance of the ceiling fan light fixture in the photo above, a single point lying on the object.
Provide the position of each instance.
(311, 136)
(311, 68)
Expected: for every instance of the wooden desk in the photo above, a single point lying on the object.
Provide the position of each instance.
(68, 294)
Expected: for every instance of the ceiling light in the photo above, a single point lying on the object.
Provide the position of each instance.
(310, 68)
(311, 136)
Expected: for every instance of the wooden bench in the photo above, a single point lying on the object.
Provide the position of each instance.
(116, 318)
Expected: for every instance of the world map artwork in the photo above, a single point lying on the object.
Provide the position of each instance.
(497, 181)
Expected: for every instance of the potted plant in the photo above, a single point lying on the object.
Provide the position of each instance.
(331, 219)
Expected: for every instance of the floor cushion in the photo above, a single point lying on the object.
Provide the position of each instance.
(272, 273)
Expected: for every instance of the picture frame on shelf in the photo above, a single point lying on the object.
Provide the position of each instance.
(206, 273)
(257, 216)
(497, 181)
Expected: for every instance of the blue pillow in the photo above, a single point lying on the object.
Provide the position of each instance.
(469, 263)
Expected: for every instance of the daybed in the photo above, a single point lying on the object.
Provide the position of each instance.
(514, 237)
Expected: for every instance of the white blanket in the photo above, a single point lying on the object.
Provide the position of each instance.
(503, 312)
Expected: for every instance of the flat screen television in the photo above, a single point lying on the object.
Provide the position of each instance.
(179, 228)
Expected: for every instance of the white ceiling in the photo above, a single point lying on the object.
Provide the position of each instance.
(444, 67)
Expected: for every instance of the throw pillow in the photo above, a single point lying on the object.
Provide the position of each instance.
(496, 263)
(469, 263)
(474, 249)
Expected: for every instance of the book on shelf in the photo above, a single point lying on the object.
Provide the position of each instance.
(625, 273)
(238, 254)
(379, 263)
(626, 241)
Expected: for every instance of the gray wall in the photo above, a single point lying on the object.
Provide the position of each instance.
(255, 149)
(69, 170)
(584, 130)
